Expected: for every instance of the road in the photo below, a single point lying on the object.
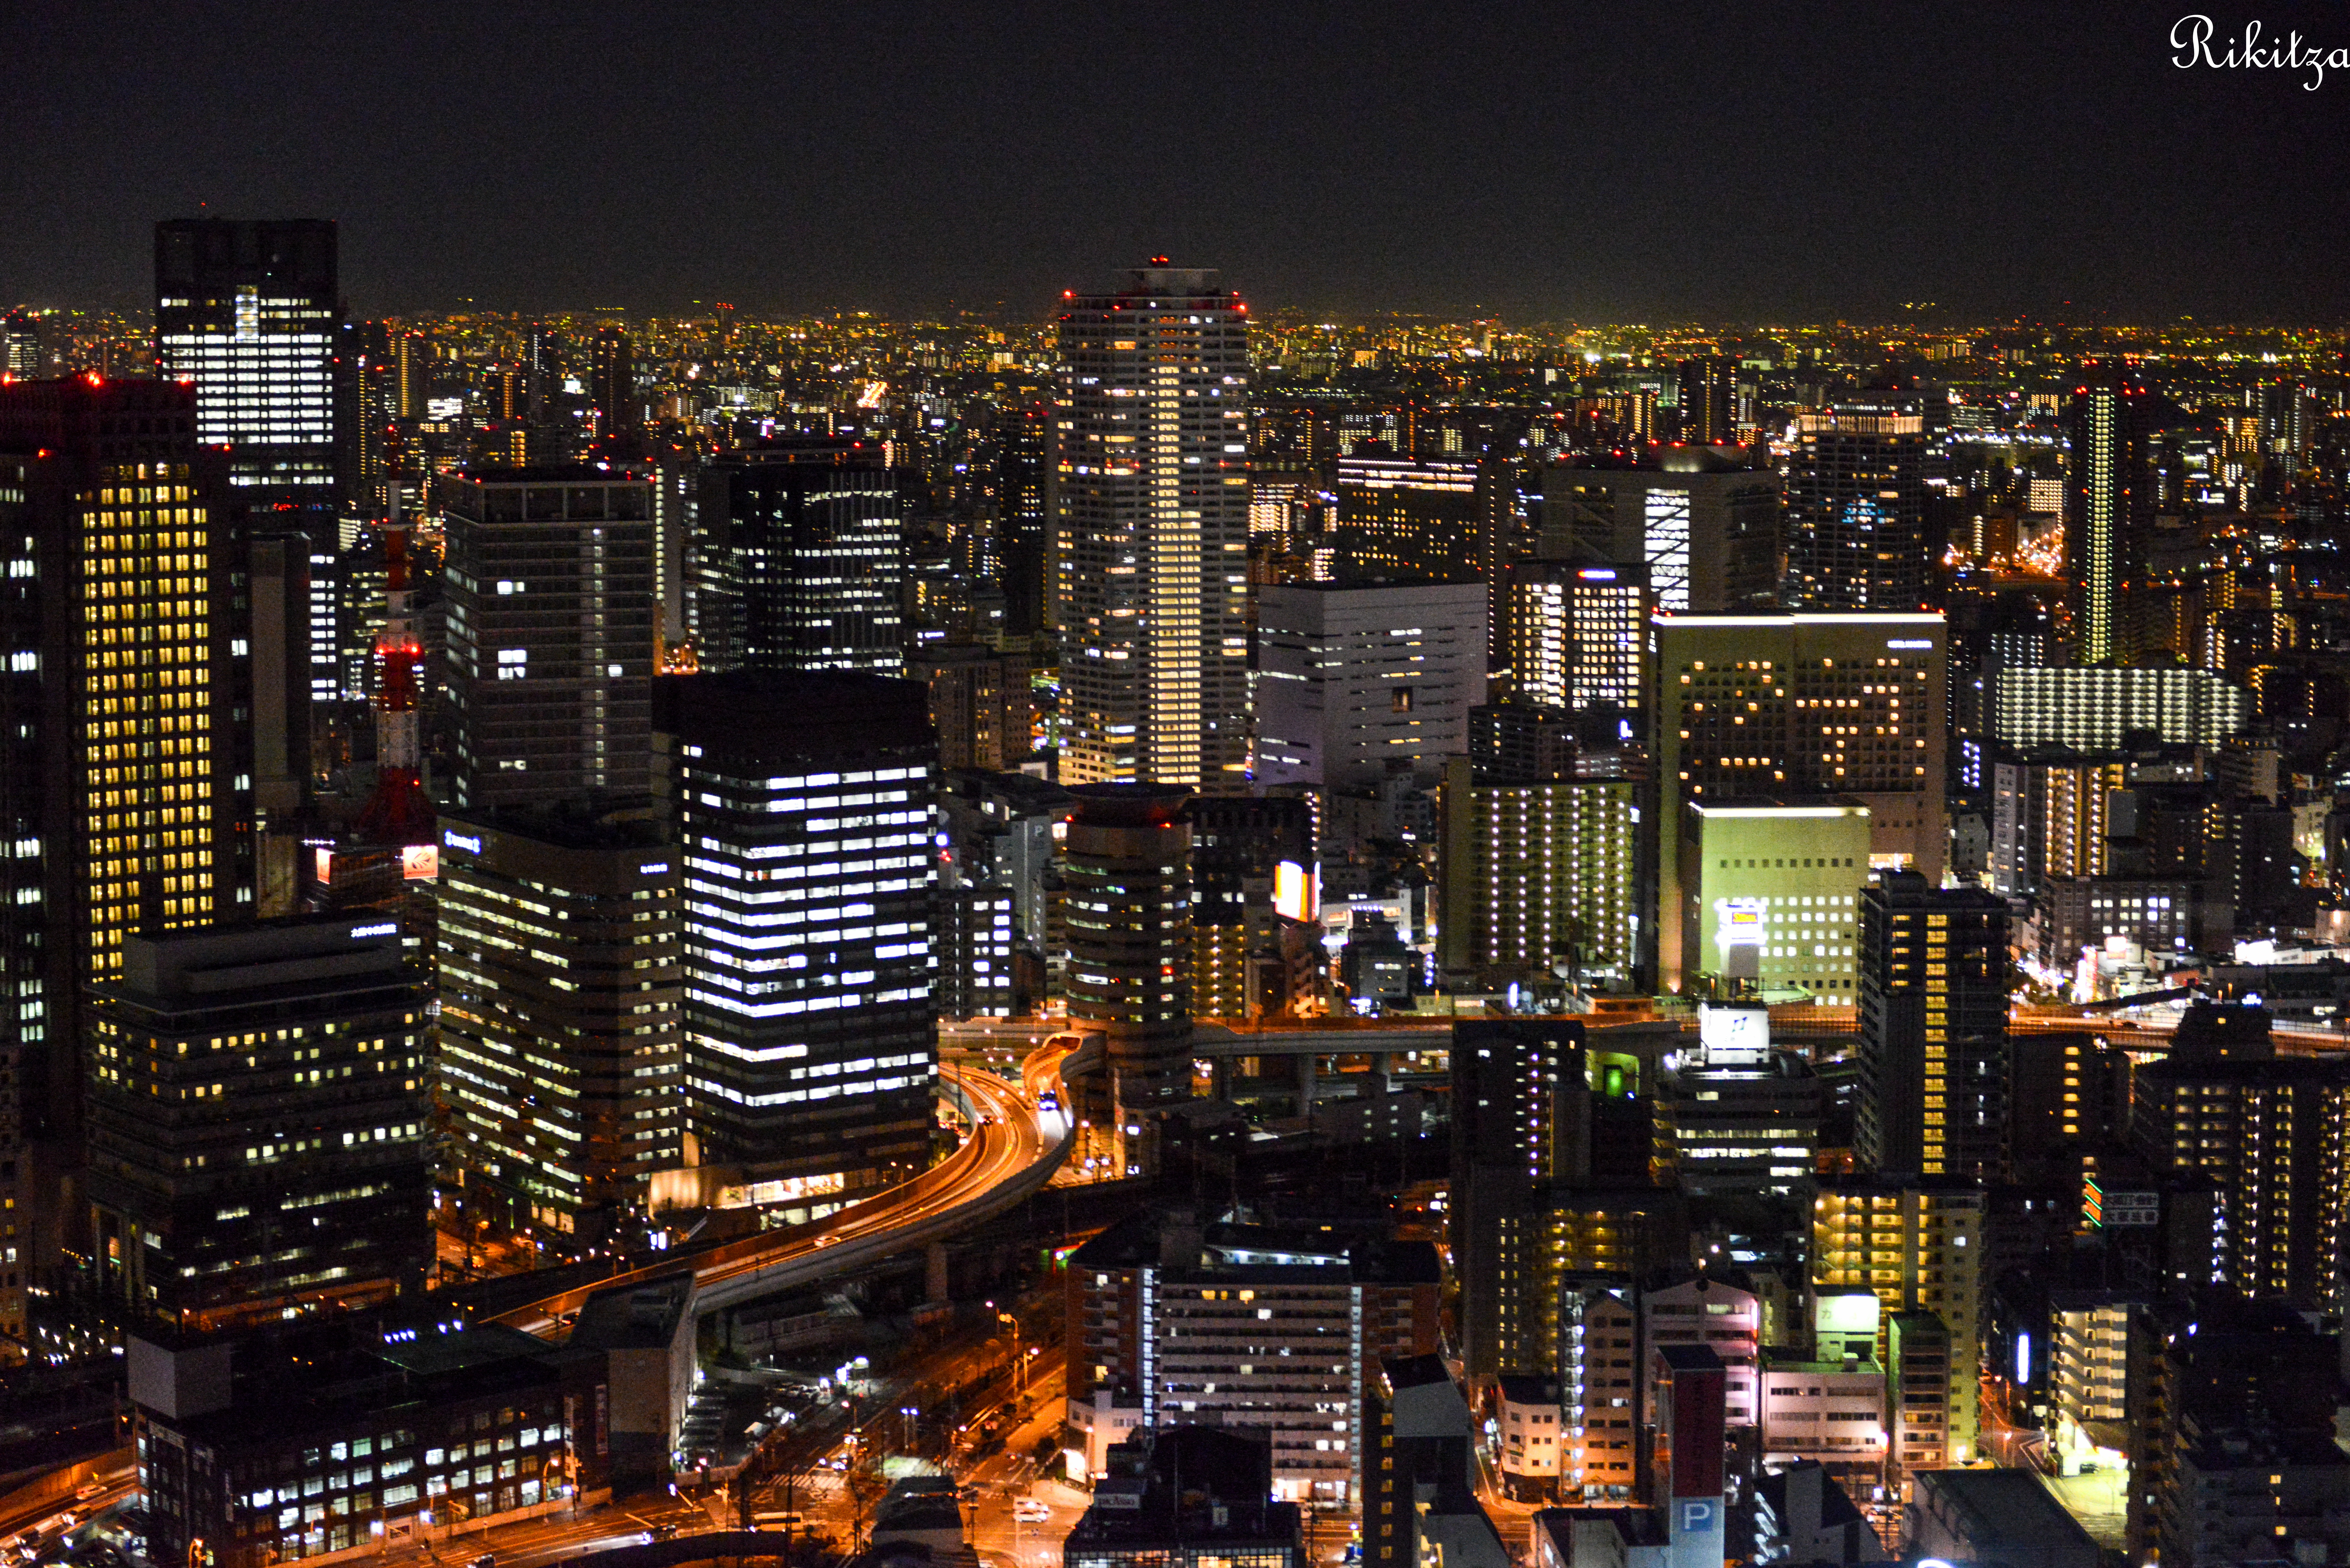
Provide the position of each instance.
(1011, 1151)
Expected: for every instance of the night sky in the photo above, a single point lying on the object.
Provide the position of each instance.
(1631, 161)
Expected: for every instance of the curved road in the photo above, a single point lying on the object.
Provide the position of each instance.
(1010, 1153)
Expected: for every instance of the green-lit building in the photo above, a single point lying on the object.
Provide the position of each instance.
(1772, 894)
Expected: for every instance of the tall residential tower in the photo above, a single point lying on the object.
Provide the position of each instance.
(1149, 522)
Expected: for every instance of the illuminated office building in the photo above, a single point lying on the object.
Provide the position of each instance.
(1856, 507)
(1770, 895)
(1797, 709)
(118, 800)
(1917, 1247)
(1537, 875)
(1412, 516)
(980, 704)
(550, 614)
(558, 971)
(1578, 635)
(2109, 504)
(247, 312)
(2095, 709)
(1933, 1030)
(803, 804)
(1709, 411)
(258, 1132)
(1149, 519)
(1357, 682)
(1733, 1114)
(618, 415)
(20, 345)
(1706, 527)
(799, 556)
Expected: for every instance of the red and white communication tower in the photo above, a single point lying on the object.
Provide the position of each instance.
(398, 814)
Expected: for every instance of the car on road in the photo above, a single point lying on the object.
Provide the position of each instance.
(89, 1491)
(788, 1521)
(1030, 1510)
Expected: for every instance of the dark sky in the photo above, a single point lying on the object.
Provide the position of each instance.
(1624, 161)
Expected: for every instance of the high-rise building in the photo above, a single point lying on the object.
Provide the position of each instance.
(118, 797)
(258, 1125)
(560, 1057)
(1798, 709)
(976, 972)
(1256, 912)
(1126, 873)
(1578, 635)
(2267, 1132)
(247, 311)
(1401, 517)
(21, 357)
(1709, 408)
(1359, 682)
(1918, 1248)
(1149, 518)
(978, 702)
(2109, 503)
(1713, 1312)
(1174, 1311)
(803, 804)
(1856, 507)
(799, 558)
(1933, 1030)
(620, 417)
(1538, 875)
(1706, 527)
(550, 616)
(1023, 444)
(1599, 1394)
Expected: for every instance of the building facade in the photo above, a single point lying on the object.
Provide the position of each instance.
(1149, 521)
(1933, 1029)
(1357, 682)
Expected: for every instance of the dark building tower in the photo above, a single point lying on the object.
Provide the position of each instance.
(257, 1121)
(1022, 441)
(247, 311)
(619, 419)
(1126, 867)
(550, 614)
(117, 800)
(2109, 492)
(800, 558)
(1708, 410)
(1856, 507)
(803, 804)
(1933, 1029)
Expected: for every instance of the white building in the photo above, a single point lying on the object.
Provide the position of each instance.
(1721, 1317)
(1357, 682)
(2091, 710)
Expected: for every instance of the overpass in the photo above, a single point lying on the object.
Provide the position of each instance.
(1012, 1152)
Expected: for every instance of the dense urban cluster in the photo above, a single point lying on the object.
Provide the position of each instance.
(1582, 944)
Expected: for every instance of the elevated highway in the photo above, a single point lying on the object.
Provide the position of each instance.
(1011, 1151)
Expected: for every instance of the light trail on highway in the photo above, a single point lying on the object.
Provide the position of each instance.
(1009, 1140)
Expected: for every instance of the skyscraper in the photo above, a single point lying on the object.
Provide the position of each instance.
(1578, 634)
(803, 805)
(247, 311)
(618, 418)
(1357, 682)
(1023, 439)
(559, 980)
(1150, 508)
(117, 800)
(2109, 495)
(799, 556)
(550, 614)
(1706, 527)
(1856, 507)
(1795, 709)
(20, 345)
(1933, 1030)
(258, 1121)
(1708, 411)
